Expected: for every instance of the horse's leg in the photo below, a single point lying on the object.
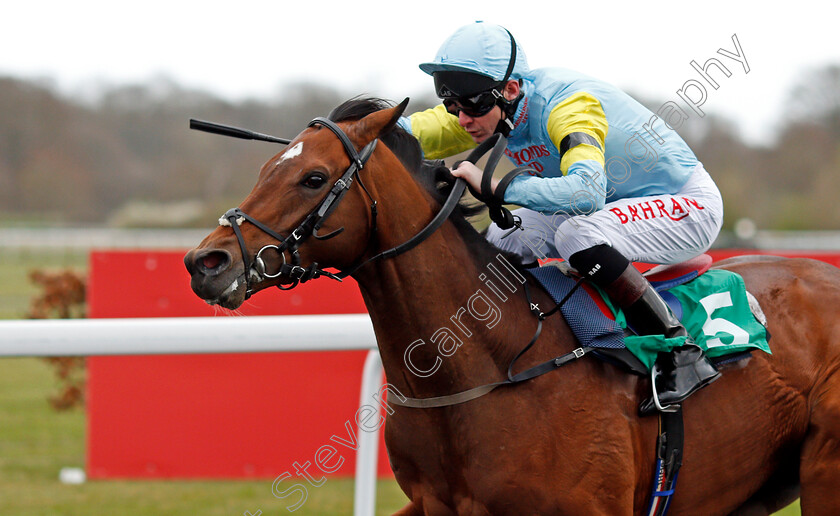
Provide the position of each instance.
(431, 507)
(409, 510)
(781, 490)
(820, 462)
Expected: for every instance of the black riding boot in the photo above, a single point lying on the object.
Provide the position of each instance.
(677, 374)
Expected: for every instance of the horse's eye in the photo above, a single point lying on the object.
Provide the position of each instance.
(315, 180)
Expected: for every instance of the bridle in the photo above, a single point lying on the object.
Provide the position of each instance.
(256, 271)
(309, 227)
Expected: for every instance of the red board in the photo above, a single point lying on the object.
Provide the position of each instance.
(215, 416)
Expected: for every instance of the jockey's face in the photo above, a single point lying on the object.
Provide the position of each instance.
(481, 127)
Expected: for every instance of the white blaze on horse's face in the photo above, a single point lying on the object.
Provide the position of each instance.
(291, 153)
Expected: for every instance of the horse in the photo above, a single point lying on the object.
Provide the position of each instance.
(568, 442)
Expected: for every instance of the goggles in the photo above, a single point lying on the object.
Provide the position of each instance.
(473, 106)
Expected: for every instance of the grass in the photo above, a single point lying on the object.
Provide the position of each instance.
(36, 442)
(15, 287)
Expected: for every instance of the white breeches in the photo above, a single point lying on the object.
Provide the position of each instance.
(656, 229)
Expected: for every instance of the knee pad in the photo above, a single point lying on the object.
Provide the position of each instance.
(600, 263)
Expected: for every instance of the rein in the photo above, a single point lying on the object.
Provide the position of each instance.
(496, 145)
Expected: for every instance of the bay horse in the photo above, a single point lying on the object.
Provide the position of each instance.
(568, 442)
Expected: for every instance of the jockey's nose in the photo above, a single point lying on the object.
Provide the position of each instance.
(464, 119)
(208, 262)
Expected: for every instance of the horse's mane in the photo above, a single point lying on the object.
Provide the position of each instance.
(407, 149)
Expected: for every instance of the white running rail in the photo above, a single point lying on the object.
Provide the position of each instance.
(182, 335)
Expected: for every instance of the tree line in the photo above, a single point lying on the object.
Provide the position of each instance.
(66, 160)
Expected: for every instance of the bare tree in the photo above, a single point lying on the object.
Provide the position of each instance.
(816, 98)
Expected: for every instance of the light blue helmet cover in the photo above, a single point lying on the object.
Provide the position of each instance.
(482, 48)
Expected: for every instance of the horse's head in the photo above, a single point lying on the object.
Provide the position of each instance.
(302, 206)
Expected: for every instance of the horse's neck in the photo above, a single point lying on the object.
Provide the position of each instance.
(446, 316)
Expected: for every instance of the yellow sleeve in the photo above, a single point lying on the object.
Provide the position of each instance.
(580, 113)
(439, 133)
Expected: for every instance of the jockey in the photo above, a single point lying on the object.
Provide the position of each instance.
(609, 181)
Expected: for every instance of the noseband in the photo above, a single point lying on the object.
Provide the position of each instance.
(256, 271)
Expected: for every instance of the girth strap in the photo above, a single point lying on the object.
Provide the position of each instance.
(669, 452)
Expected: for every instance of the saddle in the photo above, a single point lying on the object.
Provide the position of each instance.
(596, 323)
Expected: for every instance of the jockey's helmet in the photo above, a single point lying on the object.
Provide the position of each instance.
(476, 58)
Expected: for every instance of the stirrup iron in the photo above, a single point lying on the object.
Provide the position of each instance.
(668, 408)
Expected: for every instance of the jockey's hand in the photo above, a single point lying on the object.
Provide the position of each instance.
(472, 175)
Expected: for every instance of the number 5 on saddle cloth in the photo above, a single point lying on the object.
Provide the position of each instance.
(714, 306)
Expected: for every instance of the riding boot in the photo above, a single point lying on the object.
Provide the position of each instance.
(676, 374)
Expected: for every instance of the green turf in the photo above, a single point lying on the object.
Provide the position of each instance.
(36, 442)
(15, 265)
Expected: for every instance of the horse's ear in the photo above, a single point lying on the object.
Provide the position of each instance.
(380, 122)
(398, 110)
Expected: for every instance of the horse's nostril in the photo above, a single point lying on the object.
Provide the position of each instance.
(213, 262)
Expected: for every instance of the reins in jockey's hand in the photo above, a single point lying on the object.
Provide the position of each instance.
(670, 439)
(312, 222)
(496, 144)
(495, 199)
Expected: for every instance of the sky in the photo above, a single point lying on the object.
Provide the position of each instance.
(261, 48)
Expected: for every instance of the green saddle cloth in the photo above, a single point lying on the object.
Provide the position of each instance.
(716, 312)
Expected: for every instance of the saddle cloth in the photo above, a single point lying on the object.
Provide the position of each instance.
(714, 306)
